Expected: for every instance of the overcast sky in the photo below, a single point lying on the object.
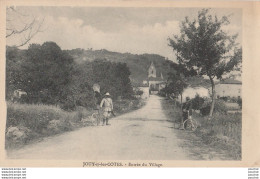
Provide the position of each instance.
(134, 30)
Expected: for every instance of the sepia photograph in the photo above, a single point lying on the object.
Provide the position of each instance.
(129, 84)
(123, 83)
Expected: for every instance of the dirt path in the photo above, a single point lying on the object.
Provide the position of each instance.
(144, 134)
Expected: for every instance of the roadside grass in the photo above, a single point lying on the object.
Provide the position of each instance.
(125, 106)
(222, 133)
(27, 123)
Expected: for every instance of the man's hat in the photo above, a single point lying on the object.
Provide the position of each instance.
(107, 94)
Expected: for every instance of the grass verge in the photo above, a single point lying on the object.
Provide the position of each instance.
(217, 139)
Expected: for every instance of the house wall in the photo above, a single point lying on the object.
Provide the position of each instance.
(232, 90)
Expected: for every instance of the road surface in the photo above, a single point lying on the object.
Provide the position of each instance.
(144, 134)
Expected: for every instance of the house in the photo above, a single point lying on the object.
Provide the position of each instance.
(229, 88)
(155, 82)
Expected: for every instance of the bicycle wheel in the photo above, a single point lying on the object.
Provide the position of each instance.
(195, 124)
(190, 125)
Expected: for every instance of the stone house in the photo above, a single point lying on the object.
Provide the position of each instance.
(229, 88)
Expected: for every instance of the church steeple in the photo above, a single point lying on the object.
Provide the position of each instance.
(152, 71)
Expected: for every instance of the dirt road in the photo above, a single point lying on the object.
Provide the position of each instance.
(143, 134)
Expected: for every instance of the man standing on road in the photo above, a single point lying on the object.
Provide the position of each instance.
(108, 107)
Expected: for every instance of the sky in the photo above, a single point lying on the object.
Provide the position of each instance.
(119, 29)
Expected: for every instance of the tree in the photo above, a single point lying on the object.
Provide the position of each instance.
(176, 84)
(14, 76)
(46, 72)
(112, 78)
(21, 26)
(205, 47)
(122, 74)
(79, 91)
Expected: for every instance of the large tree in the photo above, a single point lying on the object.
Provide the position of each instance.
(203, 45)
(46, 72)
(112, 77)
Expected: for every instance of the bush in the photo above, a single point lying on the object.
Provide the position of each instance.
(139, 92)
(219, 107)
(197, 102)
(204, 111)
(162, 93)
(239, 102)
(233, 99)
(224, 98)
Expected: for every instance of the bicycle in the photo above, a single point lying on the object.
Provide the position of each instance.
(190, 124)
(94, 119)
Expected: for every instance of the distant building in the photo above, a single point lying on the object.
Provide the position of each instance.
(154, 83)
(229, 88)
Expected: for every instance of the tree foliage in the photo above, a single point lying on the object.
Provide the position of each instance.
(112, 78)
(175, 84)
(14, 75)
(49, 75)
(46, 72)
(204, 46)
(197, 102)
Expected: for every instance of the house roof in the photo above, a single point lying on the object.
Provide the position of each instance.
(230, 81)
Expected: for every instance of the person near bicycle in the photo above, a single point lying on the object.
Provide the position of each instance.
(186, 110)
(108, 107)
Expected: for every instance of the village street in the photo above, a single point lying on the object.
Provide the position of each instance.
(144, 134)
